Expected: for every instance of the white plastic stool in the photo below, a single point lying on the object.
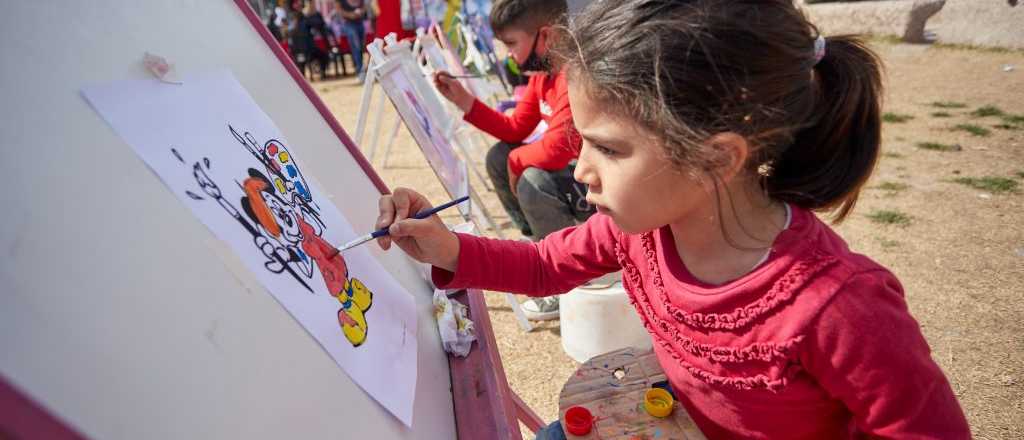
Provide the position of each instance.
(597, 318)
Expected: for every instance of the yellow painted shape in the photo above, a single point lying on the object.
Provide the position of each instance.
(362, 299)
(361, 296)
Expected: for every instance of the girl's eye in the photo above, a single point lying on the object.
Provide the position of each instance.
(604, 150)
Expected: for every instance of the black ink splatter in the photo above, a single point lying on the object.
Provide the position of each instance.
(178, 155)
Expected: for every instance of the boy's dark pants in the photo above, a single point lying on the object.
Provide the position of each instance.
(548, 200)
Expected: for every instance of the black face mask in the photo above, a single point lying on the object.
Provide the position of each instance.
(535, 63)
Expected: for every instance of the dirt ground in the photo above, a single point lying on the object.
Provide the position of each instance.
(959, 250)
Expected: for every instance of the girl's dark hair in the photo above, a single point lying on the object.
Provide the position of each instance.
(688, 69)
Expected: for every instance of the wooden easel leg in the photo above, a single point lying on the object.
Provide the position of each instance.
(518, 311)
(391, 141)
(486, 148)
(364, 108)
(376, 126)
(525, 414)
(459, 139)
(484, 213)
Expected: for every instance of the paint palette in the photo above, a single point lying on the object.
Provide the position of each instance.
(612, 387)
(286, 173)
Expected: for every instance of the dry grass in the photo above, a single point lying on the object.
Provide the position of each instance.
(961, 259)
(948, 104)
(988, 110)
(974, 129)
(889, 217)
(892, 186)
(935, 146)
(896, 118)
(991, 184)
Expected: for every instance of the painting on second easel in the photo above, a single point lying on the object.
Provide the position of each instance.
(440, 153)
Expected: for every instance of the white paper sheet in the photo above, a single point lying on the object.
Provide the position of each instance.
(227, 161)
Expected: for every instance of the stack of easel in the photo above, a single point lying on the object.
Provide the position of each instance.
(438, 130)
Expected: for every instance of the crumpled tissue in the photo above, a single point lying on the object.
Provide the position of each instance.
(457, 331)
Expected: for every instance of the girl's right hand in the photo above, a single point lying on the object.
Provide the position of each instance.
(427, 240)
(452, 90)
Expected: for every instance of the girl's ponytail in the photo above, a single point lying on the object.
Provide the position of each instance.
(832, 156)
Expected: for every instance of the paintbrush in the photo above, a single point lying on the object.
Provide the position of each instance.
(461, 76)
(384, 231)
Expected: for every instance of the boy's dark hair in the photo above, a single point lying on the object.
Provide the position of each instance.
(691, 69)
(528, 15)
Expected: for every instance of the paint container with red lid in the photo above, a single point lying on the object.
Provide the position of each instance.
(578, 420)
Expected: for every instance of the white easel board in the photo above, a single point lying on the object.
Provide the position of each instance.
(120, 312)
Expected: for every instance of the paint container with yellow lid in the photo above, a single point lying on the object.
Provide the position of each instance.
(658, 402)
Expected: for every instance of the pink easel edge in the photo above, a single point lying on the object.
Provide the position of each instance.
(21, 417)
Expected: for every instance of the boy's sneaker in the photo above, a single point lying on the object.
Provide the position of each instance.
(541, 309)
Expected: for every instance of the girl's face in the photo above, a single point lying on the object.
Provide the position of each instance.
(630, 178)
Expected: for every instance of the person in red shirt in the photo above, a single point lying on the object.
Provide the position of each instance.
(711, 131)
(533, 181)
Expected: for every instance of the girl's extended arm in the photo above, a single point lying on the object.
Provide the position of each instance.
(563, 260)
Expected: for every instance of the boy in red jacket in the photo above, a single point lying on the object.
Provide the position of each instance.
(533, 181)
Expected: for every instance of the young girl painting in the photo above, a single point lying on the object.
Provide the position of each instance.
(713, 129)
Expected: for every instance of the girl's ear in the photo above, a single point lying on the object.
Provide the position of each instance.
(733, 151)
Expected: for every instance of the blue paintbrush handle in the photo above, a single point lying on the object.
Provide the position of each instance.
(424, 214)
(384, 231)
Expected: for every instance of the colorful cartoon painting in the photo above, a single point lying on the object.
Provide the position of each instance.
(285, 224)
(229, 164)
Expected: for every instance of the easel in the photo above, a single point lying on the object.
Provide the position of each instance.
(474, 56)
(398, 55)
(202, 368)
(449, 60)
(434, 53)
(426, 47)
(429, 59)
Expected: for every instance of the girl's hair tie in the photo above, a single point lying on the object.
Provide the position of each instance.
(819, 49)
